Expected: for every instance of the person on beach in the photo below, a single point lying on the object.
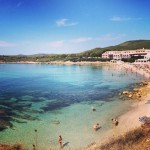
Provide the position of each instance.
(33, 148)
(96, 126)
(115, 121)
(60, 141)
(93, 109)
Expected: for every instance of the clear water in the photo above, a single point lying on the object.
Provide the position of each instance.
(57, 100)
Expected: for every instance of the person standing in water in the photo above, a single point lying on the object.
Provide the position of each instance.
(60, 141)
(96, 127)
(33, 148)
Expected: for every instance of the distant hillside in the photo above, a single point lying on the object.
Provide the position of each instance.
(90, 55)
(129, 45)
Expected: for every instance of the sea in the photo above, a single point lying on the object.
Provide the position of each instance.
(39, 102)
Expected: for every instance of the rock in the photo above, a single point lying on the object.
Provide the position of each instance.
(125, 92)
(145, 83)
(55, 122)
(130, 95)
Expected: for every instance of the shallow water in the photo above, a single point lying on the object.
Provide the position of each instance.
(57, 99)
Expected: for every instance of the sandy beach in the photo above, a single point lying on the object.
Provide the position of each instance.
(142, 69)
(127, 122)
(130, 120)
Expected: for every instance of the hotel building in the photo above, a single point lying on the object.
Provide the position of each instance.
(118, 55)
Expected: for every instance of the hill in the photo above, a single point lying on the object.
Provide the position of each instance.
(89, 55)
(129, 45)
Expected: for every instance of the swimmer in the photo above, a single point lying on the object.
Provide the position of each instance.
(60, 141)
(96, 126)
(33, 147)
(93, 109)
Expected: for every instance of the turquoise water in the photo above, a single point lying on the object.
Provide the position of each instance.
(57, 100)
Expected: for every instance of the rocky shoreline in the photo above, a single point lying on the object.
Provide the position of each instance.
(136, 93)
(129, 122)
(139, 95)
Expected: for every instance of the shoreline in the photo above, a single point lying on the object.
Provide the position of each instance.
(127, 122)
(139, 70)
(128, 66)
(59, 62)
(130, 120)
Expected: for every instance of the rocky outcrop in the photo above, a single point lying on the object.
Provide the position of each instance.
(136, 93)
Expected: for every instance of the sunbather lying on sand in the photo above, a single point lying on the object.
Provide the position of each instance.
(115, 121)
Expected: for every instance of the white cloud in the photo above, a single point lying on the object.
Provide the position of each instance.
(56, 44)
(6, 44)
(65, 22)
(67, 45)
(19, 4)
(81, 40)
(62, 43)
(117, 18)
(110, 37)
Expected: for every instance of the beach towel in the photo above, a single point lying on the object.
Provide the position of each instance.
(148, 102)
(144, 119)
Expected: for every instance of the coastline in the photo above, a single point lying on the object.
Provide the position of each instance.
(59, 62)
(129, 120)
(139, 70)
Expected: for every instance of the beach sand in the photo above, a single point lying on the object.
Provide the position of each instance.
(127, 122)
(130, 120)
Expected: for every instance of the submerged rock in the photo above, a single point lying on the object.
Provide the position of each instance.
(136, 93)
(5, 124)
(136, 89)
(55, 122)
(32, 111)
(26, 117)
(19, 121)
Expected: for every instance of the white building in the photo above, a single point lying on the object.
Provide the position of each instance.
(147, 56)
(141, 61)
(118, 55)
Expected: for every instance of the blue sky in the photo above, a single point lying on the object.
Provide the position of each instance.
(70, 26)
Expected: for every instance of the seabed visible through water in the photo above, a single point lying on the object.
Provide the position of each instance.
(40, 102)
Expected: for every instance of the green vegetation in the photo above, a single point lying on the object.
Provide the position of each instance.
(90, 55)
